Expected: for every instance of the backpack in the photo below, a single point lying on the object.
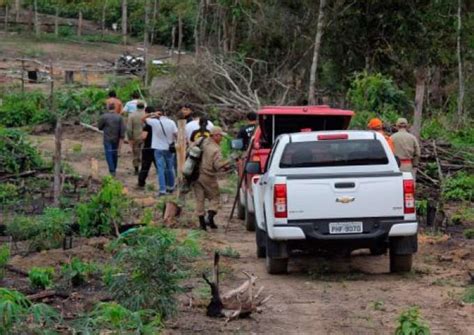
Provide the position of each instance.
(193, 162)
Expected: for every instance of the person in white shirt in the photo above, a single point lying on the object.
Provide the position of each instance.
(164, 132)
(194, 125)
(131, 106)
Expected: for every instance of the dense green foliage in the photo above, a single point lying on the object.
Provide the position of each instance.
(19, 316)
(459, 187)
(104, 210)
(113, 317)
(41, 277)
(21, 109)
(468, 296)
(410, 323)
(16, 153)
(375, 95)
(150, 262)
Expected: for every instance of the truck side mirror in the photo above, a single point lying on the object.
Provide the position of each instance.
(237, 144)
(253, 168)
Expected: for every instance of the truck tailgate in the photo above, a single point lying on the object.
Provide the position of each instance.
(320, 198)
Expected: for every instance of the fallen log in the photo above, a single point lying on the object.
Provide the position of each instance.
(47, 294)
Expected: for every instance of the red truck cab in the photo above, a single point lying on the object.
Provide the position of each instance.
(274, 121)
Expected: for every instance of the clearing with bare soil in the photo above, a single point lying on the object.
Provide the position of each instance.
(319, 295)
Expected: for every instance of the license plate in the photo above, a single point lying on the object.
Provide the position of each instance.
(345, 228)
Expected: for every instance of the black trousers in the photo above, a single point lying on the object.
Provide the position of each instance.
(148, 157)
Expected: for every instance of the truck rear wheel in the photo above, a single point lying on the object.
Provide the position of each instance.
(276, 266)
(400, 263)
(260, 238)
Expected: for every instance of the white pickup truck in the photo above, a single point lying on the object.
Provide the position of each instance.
(336, 191)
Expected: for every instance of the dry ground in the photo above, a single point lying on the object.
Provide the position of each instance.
(318, 296)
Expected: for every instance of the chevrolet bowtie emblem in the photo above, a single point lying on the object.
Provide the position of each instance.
(345, 199)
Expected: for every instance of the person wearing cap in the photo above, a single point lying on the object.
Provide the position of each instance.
(376, 124)
(206, 186)
(407, 148)
(134, 134)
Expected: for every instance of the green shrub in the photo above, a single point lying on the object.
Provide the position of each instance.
(151, 263)
(20, 316)
(4, 258)
(76, 272)
(8, 193)
(21, 109)
(459, 187)
(22, 228)
(229, 252)
(374, 95)
(112, 317)
(108, 207)
(469, 233)
(410, 323)
(16, 153)
(468, 296)
(41, 277)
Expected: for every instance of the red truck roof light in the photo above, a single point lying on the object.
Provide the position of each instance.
(333, 137)
(409, 196)
(280, 201)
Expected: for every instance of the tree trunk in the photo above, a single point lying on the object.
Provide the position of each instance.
(6, 17)
(79, 24)
(30, 18)
(104, 9)
(56, 22)
(145, 41)
(154, 18)
(180, 37)
(420, 75)
(317, 45)
(37, 26)
(197, 28)
(460, 67)
(173, 37)
(124, 22)
(17, 10)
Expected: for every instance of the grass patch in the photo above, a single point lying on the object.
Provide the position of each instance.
(468, 295)
(229, 252)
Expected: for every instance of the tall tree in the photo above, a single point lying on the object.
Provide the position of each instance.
(146, 39)
(17, 10)
(104, 11)
(124, 21)
(317, 46)
(460, 65)
(37, 23)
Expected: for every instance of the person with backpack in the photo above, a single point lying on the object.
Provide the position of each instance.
(148, 153)
(202, 132)
(164, 133)
(206, 185)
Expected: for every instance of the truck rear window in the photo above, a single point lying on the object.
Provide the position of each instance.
(333, 153)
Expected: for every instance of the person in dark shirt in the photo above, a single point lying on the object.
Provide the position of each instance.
(114, 131)
(148, 153)
(245, 133)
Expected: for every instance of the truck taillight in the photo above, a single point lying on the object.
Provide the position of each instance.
(279, 201)
(256, 158)
(409, 196)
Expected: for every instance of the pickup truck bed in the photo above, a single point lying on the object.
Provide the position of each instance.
(339, 190)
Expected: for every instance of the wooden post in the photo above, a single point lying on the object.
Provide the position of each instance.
(22, 76)
(180, 37)
(181, 148)
(68, 77)
(57, 144)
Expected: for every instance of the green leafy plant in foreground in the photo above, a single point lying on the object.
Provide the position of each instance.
(410, 323)
(116, 318)
(19, 316)
(468, 296)
(149, 264)
(469, 233)
(459, 187)
(104, 210)
(41, 277)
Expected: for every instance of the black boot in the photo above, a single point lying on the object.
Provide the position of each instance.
(210, 218)
(202, 222)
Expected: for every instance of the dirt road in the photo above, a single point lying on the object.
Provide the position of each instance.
(319, 295)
